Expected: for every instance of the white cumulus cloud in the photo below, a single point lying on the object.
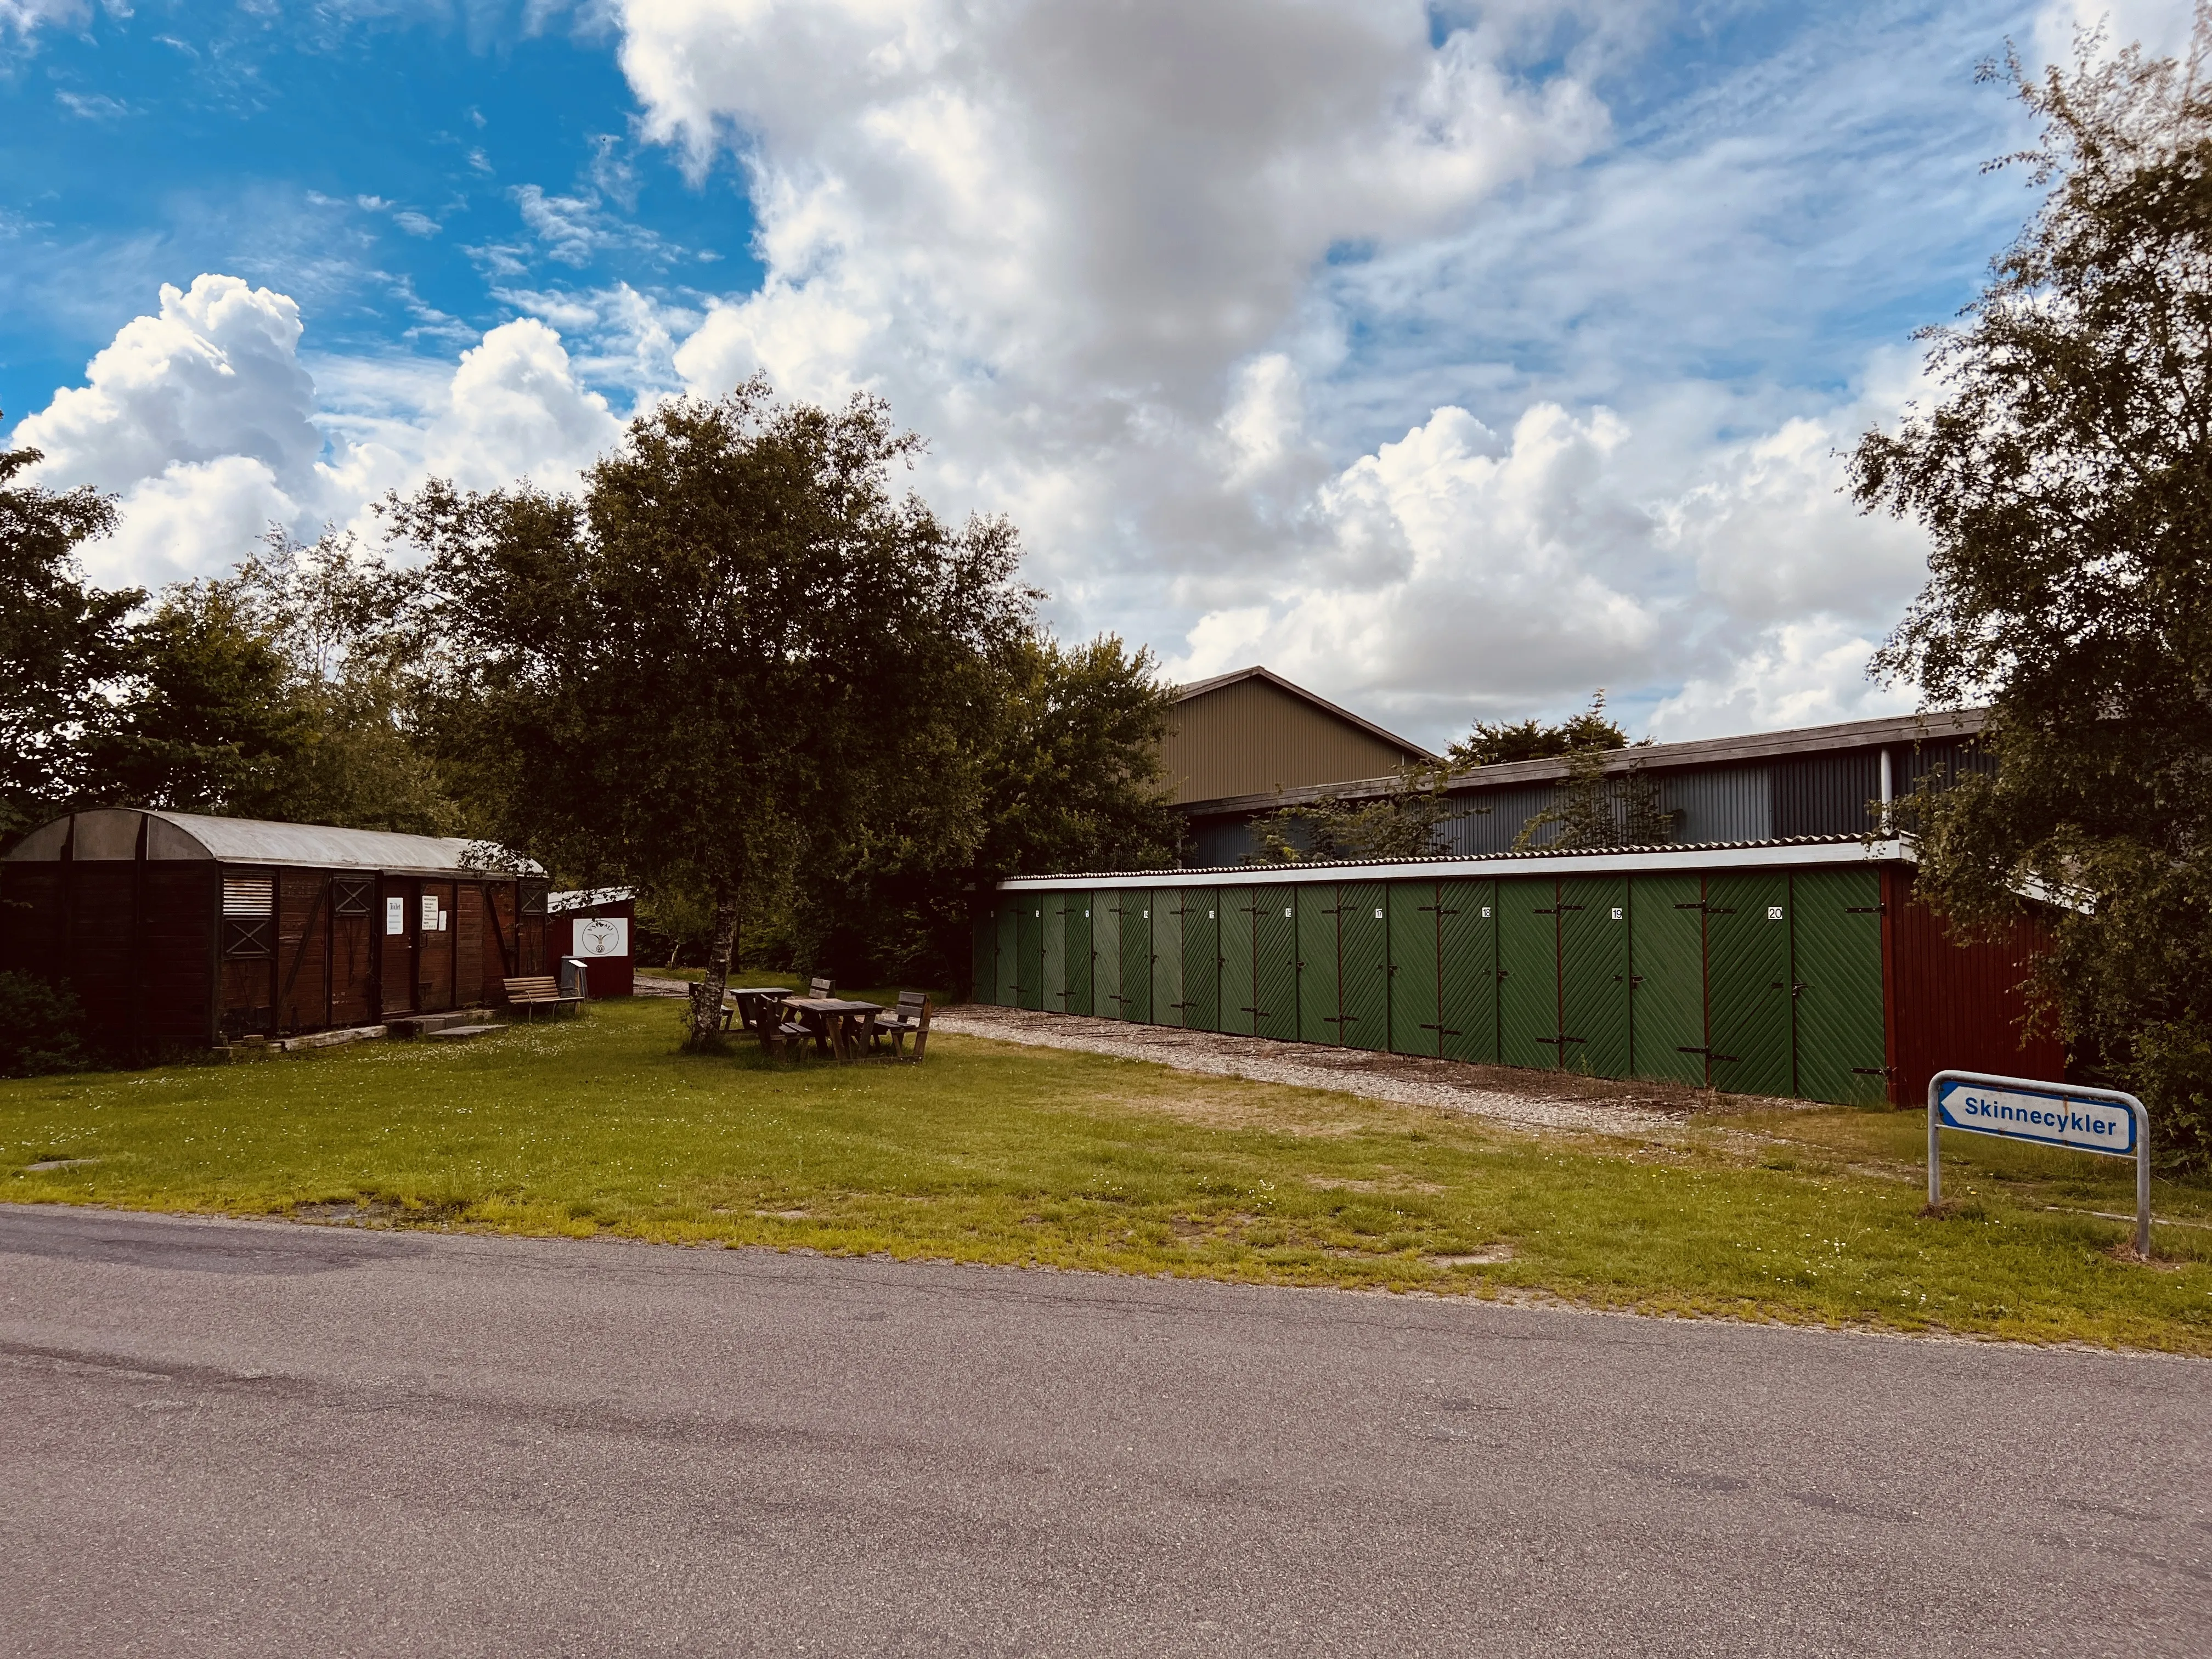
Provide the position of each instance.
(206, 423)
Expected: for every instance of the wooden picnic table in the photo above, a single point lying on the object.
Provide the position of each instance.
(836, 1021)
(749, 1001)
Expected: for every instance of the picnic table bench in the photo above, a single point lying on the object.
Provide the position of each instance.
(836, 1023)
(535, 991)
(909, 1019)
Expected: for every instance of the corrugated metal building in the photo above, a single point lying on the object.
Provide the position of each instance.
(1253, 734)
(1816, 781)
(1794, 968)
(178, 929)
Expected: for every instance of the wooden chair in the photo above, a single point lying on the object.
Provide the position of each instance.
(819, 987)
(909, 1018)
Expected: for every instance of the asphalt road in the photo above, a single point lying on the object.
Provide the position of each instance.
(228, 1437)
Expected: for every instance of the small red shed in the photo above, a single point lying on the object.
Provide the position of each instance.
(181, 929)
(595, 924)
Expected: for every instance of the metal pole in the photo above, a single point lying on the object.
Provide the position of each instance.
(2142, 1179)
(1935, 1146)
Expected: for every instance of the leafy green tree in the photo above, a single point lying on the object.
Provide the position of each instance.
(212, 720)
(2065, 481)
(1595, 808)
(735, 657)
(1404, 824)
(62, 641)
(1495, 743)
(1060, 771)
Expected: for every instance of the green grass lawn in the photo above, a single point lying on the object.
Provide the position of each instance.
(992, 1153)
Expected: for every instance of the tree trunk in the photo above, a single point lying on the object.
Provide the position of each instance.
(707, 1007)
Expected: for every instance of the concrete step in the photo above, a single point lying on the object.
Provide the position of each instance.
(414, 1025)
(460, 1033)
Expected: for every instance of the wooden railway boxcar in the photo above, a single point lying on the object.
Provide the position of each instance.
(1801, 967)
(180, 930)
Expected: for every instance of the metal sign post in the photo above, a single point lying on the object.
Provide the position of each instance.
(2101, 1121)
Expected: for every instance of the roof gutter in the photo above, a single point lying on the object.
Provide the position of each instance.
(1651, 860)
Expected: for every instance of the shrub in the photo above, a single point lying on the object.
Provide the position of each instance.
(42, 1027)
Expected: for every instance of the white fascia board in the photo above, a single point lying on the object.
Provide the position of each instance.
(1584, 864)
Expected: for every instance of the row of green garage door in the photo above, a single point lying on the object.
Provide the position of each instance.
(1765, 981)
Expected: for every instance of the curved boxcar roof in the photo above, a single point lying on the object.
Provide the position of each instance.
(111, 833)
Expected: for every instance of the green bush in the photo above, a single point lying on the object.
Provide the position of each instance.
(42, 1027)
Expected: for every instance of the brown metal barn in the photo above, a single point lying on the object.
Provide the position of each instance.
(178, 930)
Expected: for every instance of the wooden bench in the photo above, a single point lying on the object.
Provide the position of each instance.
(909, 1018)
(535, 991)
(778, 1029)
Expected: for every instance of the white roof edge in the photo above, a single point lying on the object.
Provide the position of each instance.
(1587, 864)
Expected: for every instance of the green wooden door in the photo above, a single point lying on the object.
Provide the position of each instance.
(1320, 1018)
(1363, 955)
(1239, 910)
(1008, 994)
(1137, 956)
(1167, 956)
(1106, 999)
(1748, 982)
(1277, 963)
(1466, 951)
(1594, 996)
(1667, 977)
(1052, 979)
(1029, 942)
(1075, 923)
(1201, 958)
(983, 958)
(1276, 933)
(1529, 971)
(1415, 1008)
(1836, 953)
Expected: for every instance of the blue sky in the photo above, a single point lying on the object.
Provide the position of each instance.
(1455, 360)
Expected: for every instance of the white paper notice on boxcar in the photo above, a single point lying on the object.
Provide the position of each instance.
(2053, 1119)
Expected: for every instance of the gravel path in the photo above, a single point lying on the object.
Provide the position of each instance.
(1534, 1099)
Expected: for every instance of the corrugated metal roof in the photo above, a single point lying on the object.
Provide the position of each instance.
(1795, 849)
(255, 841)
(584, 898)
(1933, 726)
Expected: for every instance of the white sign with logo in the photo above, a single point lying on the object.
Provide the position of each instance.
(2054, 1118)
(601, 936)
(395, 915)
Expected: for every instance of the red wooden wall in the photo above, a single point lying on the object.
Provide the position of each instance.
(1956, 1007)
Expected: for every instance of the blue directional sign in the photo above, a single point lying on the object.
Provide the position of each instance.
(2052, 1117)
(2101, 1121)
